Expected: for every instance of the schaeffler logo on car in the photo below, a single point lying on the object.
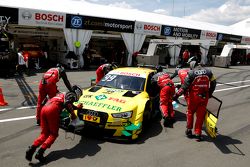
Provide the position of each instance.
(147, 28)
(41, 18)
(208, 35)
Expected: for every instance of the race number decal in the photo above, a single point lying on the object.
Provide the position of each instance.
(109, 78)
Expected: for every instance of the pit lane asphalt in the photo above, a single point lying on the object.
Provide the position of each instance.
(157, 147)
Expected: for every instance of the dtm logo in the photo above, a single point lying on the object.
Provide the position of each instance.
(76, 22)
(167, 30)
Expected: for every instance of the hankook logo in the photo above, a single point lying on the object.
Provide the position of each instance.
(138, 26)
(26, 15)
(76, 21)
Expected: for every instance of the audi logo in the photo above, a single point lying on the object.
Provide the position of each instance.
(92, 113)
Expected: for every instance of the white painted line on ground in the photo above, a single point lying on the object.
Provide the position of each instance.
(243, 86)
(232, 82)
(17, 119)
(26, 107)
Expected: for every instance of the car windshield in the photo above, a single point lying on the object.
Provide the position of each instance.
(123, 82)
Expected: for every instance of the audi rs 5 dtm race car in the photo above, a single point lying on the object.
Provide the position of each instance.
(121, 103)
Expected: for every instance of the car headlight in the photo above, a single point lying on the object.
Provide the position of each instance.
(127, 114)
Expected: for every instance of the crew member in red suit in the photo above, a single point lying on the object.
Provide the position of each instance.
(182, 73)
(167, 91)
(50, 120)
(200, 83)
(102, 70)
(185, 57)
(48, 87)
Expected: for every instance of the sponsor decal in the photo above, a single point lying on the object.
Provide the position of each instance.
(111, 90)
(101, 97)
(167, 31)
(102, 105)
(130, 74)
(245, 40)
(96, 23)
(229, 38)
(76, 22)
(208, 35)
(147, 28)
(8, 15)
(87, 96)
(117, 100)
(185, 33)
(41, 18)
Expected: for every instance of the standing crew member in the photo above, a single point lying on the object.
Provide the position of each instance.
(102, 70)
(185, 57)
(50, 120)
(200, 83)
(48, 87)
(167, 90)
(182, 73)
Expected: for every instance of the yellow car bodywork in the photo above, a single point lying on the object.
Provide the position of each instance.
(103, 106)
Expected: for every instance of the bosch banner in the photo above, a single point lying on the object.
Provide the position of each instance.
(8, 15)
(96, 23)
(181, 32)
(208, 35)
(41, 18)
(147, 28)
(228, 38)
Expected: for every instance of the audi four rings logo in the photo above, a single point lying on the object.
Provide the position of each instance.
(167, 31)
(26, 15)
(76, 21)
(92, 113)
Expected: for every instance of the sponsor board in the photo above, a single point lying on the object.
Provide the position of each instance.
(147, 28)
(208, 35)
(181, 32)
(245, 40)
(228, 38)
(96, 23)
(40, 18)
(8, 15)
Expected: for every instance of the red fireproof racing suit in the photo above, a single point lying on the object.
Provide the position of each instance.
(47, 86)
(182, 73)
(100, 72)
(167, 91)
(50, 117)
(200, 83)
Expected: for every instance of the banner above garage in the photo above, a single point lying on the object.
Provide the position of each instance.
(185, 33)
(97, 23)
(8, 15)
(40, 18)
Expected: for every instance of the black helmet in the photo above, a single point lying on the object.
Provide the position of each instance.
(71, 97)
(159, 68)
(77, 90)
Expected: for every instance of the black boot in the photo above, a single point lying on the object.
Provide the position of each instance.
(30, 152)
(198, 138)
(39, 155)
(188, 133)
(38, 122)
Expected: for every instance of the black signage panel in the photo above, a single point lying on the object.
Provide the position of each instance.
(8, 15)
(228, 38)
(96, 23)
(185, 33)
(74, 21)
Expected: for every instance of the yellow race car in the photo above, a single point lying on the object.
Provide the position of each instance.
(121, 103)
